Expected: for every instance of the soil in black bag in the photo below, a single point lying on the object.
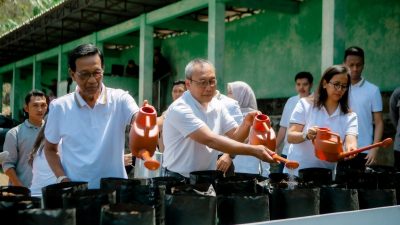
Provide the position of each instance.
(242, 208)
(46, 217)
(52, 194)
(191, 204)
(236, 185)
(10, 205)
(14, 191)
(205, 176)
(336, 199)
(315, 177)
(127, 214)
(123, 187)
(238, 200)
(88, 204)
(285, 203)
(372, 198)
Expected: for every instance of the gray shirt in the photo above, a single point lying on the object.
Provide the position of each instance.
(394, 107)
(19, 143)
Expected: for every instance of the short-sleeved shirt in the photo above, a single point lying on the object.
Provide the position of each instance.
(42, 173)
(19, 143)
(287, 112)
(93, 139)
(365, 99)
(306, 114)
(184, 116)
(232, 106)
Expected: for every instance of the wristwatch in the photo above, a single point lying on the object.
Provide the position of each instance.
(305, 135)
(60, 178)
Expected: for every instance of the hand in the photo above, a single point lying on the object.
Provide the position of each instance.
(249, 119)
(371, 157)
(349, 149)
(264, 154)
(312, 132)
(224, 162)
(128, 159)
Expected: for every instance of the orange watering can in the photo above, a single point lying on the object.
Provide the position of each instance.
(262, 133)
(144, 136)
(328, 146)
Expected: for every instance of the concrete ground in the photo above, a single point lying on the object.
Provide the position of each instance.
(3, 179)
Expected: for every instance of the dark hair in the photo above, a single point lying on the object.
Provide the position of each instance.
(302, 75)
(321, 95)
(354, 50)
(33, 93)
(81, 51)
(178, 82)
(38, 144)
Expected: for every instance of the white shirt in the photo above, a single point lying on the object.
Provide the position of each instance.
(365, 99)
(184, 116)
(250, 164)
(308, 115)
(232, 106)
(92, 138)
(287, 112)
(42, 173)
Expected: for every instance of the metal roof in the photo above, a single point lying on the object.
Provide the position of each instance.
(68, 21)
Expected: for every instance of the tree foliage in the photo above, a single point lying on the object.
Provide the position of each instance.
(15, 12)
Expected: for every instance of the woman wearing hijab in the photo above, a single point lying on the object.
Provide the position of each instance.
(244, 94)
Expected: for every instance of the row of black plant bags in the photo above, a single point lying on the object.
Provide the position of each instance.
(206, 198)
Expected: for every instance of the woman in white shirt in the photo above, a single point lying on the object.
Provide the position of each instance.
(244, 94)
(41, 171)
(329, 107)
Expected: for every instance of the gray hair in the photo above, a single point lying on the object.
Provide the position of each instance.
(189, 69)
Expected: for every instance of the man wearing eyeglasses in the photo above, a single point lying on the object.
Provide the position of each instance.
(90, 122)
(196, 122)
(366, 101)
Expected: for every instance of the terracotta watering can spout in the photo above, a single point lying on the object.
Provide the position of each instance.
(385, 143)
(290, 164)
(149, 162)
(144, 135)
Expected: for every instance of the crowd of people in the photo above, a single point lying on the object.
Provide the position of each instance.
(202, 129)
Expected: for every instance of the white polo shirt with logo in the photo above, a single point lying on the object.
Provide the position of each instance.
(92, 138)
(184, 116)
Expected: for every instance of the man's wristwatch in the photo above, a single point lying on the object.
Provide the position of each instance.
(305, 136)
(60, 178)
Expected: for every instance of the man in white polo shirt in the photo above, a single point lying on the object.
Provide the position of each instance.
(366, 102)
(91, 123)
(195, 124)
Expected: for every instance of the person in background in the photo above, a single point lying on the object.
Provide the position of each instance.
(329, 107)
(88, 124)
(366, 101)
(42, 174)
(3, 156)
(132, 69)
(394, 110)
(196, 123)
(303, 84)
(225, 161)
(178, 88)
(19, 140)
(247, 101)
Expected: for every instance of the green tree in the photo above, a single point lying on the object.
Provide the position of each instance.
(15, 12)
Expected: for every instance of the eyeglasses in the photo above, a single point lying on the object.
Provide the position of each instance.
(86, 75)
(339, 86)
(205, 83)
